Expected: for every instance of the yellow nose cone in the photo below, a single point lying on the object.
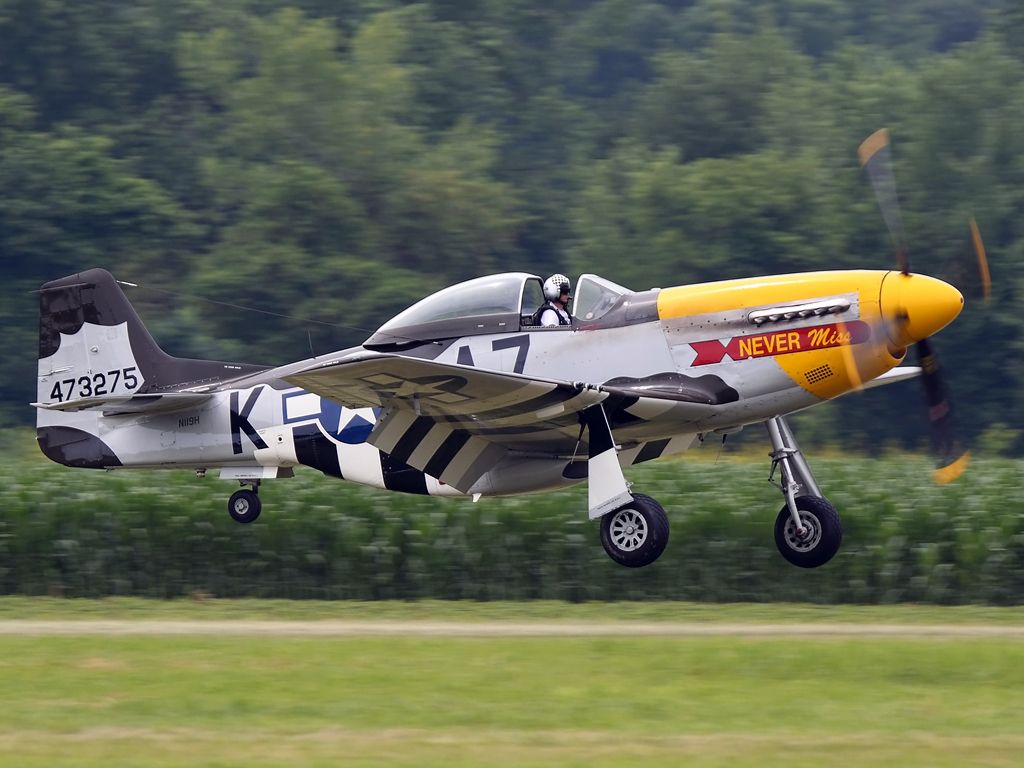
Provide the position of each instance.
(917, 306)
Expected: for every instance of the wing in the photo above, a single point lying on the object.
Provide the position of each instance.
(454, 422)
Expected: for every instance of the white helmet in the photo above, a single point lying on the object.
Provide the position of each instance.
(555, 286)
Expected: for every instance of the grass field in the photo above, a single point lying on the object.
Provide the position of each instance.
(604, 692)
(267, 700)
(119, 608)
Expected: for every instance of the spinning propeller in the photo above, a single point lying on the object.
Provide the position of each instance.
(915, 306)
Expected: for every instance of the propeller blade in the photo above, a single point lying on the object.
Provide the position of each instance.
(851, 363)
(876, 159)
(968, 269)
(982, 257)
(952, 457)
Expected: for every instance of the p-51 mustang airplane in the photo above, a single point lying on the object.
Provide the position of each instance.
(465, 394)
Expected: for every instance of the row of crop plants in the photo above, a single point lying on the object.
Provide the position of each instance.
(79, 533)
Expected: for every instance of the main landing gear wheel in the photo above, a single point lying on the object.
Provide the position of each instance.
(244, 506)
(821, 536)
(635, 533)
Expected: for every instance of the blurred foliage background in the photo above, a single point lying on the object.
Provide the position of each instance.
(337, 161)
(163, 534)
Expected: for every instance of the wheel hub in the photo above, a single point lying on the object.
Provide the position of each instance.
(628, 530)
(807, 536)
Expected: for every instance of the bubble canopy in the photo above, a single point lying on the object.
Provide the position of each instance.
(490, 304)
(493, 304)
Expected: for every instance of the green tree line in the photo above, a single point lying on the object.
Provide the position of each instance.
(336, 161)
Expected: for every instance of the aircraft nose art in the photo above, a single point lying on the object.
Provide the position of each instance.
(919, 306)
(821, 330)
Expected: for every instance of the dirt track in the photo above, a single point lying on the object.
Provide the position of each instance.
(334, 628)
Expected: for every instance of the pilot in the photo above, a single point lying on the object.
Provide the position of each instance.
(554, 310)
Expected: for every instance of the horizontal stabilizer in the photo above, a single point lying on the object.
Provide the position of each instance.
(119, 405)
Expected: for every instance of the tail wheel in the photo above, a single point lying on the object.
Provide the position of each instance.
(244, 506)
(821, 536)
(635, 534)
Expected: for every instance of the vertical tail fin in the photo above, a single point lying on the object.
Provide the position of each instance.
(94, 348)
(87, 331)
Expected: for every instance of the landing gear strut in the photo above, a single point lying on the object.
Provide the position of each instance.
(244, 506)
(634, 527)
(807, 530)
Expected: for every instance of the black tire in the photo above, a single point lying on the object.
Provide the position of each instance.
(635, 534)
(825, 532)
(244, 506)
